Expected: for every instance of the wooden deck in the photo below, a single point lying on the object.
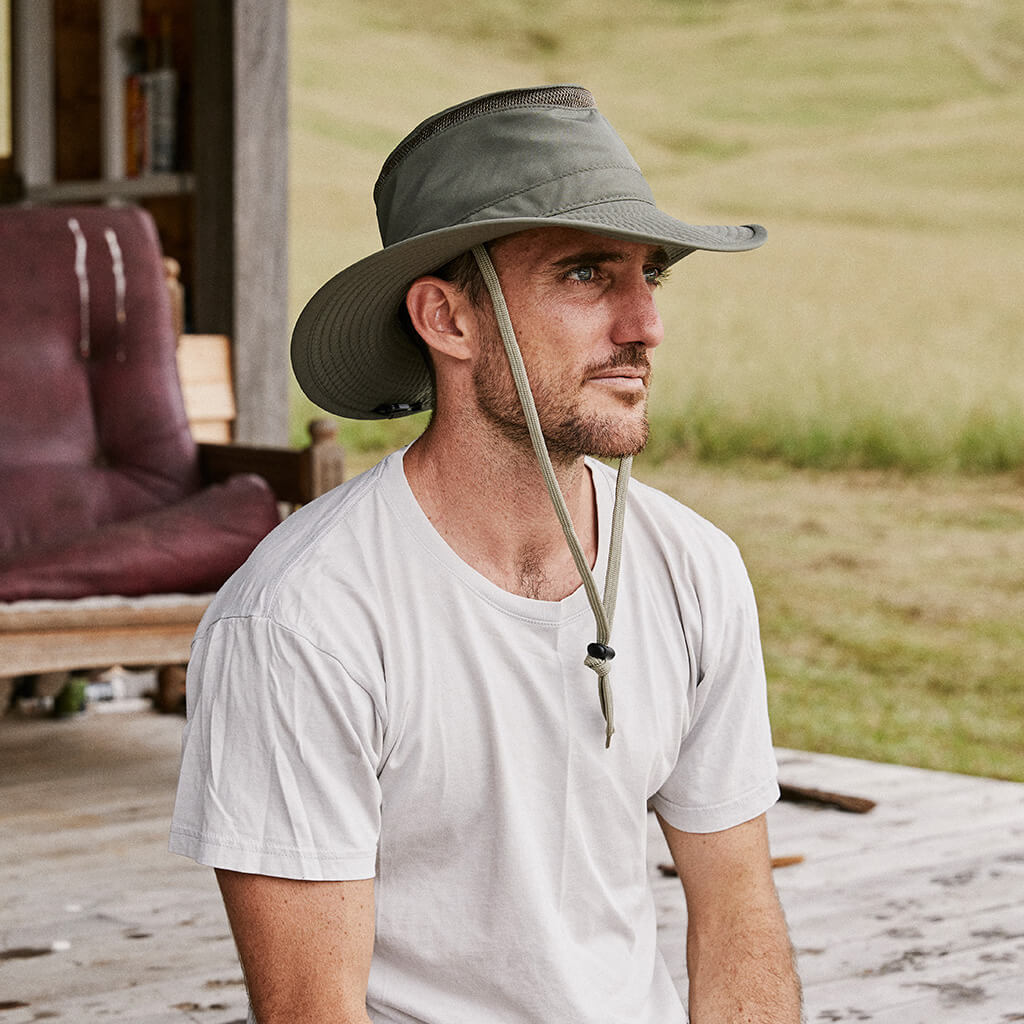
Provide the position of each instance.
(911, 914)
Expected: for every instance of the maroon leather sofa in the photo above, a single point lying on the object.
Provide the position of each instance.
(100, 483)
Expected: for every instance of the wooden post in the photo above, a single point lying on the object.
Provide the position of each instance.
(241, 157)
(33, 91)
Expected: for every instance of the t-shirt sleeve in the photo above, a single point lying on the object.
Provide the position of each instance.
(726, 772)
(279, 758)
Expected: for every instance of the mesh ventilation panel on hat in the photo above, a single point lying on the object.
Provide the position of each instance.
(569, 96)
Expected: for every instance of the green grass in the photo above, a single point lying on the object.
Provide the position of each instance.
(892, 607)
(984, 442)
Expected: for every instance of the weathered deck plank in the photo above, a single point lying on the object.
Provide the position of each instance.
(911, 914)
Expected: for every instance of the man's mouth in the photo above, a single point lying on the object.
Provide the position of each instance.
(622, 376)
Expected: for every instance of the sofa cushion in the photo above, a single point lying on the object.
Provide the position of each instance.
(92, 423)
(191, 546)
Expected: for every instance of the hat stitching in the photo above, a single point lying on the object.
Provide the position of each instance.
(600, 201)
(559, 177)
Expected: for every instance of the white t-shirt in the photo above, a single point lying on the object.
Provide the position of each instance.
(363, 704)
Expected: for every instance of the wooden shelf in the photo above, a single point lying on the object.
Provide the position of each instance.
(224, 215)
(146, 186)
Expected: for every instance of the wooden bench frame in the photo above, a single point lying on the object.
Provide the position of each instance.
(155, 631)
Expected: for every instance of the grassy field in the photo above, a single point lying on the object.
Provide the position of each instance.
(892, 607)
(879, 334)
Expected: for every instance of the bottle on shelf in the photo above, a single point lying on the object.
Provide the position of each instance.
(151, 104)
(161, 84)
(134, 107)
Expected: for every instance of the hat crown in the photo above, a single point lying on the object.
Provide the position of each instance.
(519, 154)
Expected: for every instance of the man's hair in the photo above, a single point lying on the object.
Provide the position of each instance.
(464, 273)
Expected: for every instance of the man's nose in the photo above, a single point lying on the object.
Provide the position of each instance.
(637, 317)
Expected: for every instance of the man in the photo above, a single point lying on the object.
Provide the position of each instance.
(416, 758)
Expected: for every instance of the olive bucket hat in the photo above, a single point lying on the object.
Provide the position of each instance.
(505, 162)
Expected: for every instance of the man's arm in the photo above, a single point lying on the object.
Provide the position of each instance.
(738, 954)
(305, 947)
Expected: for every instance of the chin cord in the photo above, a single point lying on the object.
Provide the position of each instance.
(600, 653)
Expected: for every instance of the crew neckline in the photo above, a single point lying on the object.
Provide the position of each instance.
(405, 504)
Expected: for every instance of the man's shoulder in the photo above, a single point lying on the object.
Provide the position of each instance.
(650, 505)
(664, 530)
(320, 545)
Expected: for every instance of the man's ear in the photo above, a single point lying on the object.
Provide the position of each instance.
(437, 309)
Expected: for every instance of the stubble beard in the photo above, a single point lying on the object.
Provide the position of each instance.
(568, 430)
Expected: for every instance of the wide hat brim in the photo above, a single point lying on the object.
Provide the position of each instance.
(352, 357)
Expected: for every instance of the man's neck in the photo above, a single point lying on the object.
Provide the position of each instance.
(486, 497)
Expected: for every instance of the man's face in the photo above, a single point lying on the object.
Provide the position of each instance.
(583, 310)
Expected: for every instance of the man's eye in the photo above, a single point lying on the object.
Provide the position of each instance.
(582, 274)
(655, 275)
